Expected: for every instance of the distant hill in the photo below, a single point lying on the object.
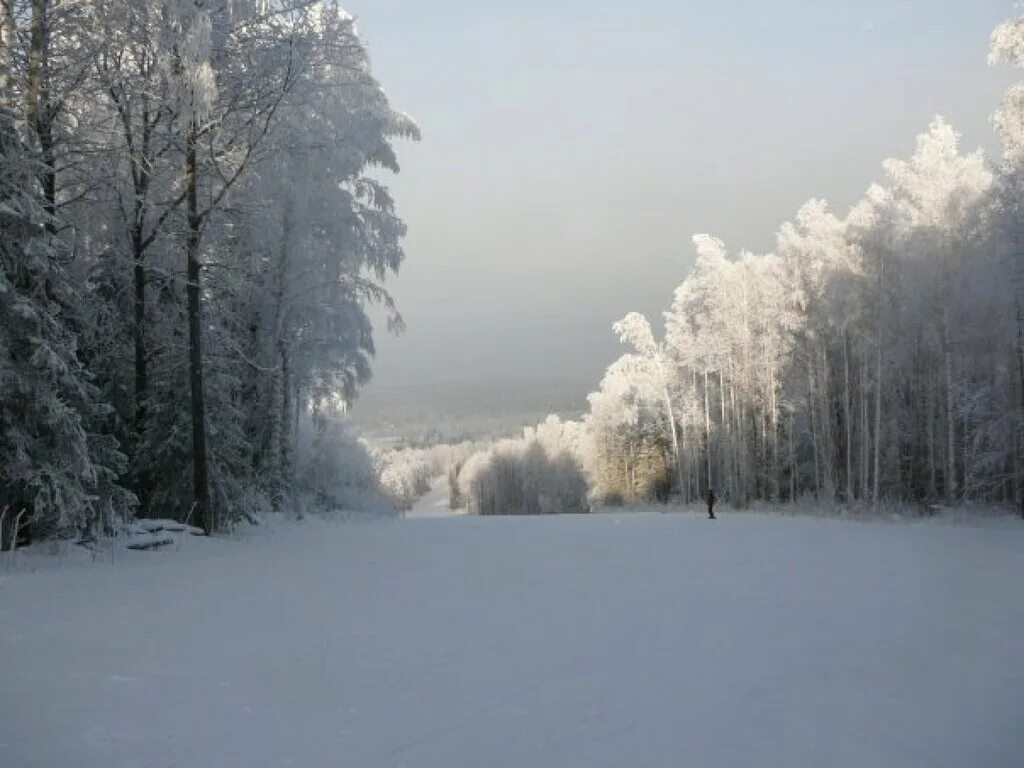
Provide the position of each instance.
(454, 411)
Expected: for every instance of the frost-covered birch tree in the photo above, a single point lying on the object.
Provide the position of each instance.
(873, 357)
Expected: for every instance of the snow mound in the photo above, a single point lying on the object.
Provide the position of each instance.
(156, 526)
(144, 541)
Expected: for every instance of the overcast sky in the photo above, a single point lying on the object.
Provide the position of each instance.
(572, 147)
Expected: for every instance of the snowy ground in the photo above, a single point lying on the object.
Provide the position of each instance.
(434, 503)
(609, 640)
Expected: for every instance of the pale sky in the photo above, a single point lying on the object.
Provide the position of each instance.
(571, 148)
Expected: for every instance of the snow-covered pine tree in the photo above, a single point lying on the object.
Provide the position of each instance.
(58, 466)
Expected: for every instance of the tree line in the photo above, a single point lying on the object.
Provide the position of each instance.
(192, 227)
(873, 356)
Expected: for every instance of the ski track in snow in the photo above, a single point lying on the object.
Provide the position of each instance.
(611, 640)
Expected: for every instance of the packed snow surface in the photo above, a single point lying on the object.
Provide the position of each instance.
(611, 640)
(434, 503)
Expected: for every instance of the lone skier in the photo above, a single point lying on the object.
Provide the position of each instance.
(711, 504)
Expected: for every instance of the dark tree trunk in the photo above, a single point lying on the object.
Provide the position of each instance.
(140, 178)
(38, 111)
(49, 170)
(6, 41)
(141, 370)
(200, 470)
(142, 483)
(285, 456)
(37, 39)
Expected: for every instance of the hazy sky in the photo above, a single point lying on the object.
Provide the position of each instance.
(572, 147)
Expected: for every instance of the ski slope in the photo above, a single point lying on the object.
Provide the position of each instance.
(434, 503)
(600, 641)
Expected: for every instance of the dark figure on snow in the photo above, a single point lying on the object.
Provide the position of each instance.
(711, 504)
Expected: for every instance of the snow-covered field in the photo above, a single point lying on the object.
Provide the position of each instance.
(609, 640)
